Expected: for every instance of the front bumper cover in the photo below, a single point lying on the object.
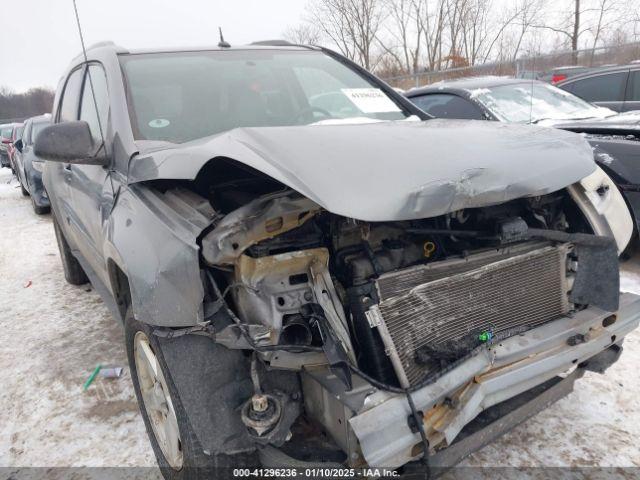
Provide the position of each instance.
(502, 372)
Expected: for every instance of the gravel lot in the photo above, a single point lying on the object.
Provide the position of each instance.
(53, 335)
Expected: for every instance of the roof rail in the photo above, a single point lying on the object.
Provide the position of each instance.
(105, 43)
(274, 43)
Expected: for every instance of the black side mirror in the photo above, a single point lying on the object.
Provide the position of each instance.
(18, 144)
(69, 142)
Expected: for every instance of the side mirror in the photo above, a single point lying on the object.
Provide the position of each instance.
(69, 142)
(18, 144)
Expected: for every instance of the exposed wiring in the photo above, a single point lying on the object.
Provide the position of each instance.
(244, 326)
(419, 423)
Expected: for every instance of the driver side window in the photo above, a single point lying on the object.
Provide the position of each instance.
(68, 110)
(95, 81)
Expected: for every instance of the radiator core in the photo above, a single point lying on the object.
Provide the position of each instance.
(502, 290)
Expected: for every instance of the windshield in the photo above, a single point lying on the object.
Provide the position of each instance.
(178, 97)
(6, 132)
(516, 103)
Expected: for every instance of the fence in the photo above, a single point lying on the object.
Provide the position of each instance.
(526, 66)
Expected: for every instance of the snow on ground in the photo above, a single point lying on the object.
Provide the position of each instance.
(53, 335)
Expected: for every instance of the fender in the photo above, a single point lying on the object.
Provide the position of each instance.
(155, 235)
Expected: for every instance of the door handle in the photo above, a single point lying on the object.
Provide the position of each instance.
(67, 167)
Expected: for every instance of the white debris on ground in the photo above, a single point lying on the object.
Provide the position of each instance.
(53, 335)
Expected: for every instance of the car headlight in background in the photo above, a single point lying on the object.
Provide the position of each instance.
(604, 207)
(37, 166)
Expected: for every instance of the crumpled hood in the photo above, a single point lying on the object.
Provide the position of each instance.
(392, 170)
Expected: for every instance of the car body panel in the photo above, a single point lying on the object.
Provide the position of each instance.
(625, 103)
(420, 168)
(618, 156)
(144, 216)
(31, 177)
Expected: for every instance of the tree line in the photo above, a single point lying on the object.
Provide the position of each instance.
(20, 106)
(410, 36)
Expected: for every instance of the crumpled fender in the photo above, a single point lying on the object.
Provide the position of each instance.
(154, 235)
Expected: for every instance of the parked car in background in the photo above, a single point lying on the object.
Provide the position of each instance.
(614, 137)
(6, 132)
(309, 274)
(617, 88)
(560, 74)
(529, 74)
(503, 99)
(28, 167)
(16, 135)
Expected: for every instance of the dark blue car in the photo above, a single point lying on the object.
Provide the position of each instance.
(28, 167)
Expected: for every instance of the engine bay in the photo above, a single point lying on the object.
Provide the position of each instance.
(328, 310)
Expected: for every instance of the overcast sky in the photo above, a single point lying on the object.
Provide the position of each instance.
(39, 37)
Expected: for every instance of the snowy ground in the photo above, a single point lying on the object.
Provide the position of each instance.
(52, 335)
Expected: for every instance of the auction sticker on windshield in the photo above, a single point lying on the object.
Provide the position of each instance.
(370, 100)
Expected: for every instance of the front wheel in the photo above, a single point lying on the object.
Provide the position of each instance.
(39, 210)
(174, 442)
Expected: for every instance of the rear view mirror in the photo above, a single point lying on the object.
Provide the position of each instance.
(18, 144)
(69, 142)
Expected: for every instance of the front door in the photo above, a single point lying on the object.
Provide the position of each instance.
(90, 185)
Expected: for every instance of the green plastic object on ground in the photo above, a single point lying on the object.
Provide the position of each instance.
(91, 378)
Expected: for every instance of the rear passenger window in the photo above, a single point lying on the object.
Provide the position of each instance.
(69, 106)
(603, 88)
(444, 105)
(634, 87)
(97, 120)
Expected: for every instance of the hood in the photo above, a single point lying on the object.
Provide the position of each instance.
(623, 123)
(393, 170)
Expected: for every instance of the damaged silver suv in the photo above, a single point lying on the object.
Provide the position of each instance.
(310, 271)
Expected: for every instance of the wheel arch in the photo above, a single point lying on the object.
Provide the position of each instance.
(119, 283)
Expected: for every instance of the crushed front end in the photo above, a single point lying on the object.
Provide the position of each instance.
(381, 343)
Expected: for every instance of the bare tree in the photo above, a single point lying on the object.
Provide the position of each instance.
(23, 105)
(528, 12)
(351, 24)
(303, 34)
(403, 31)
(594, 17)
(569, 26)
(431, 17)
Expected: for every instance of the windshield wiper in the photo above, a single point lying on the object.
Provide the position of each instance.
(537, 120)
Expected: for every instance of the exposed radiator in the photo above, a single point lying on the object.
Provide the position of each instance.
(435, 304)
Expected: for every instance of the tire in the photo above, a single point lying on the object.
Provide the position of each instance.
(37, 209)
(193, 463)
(73, 272)
(24, 191)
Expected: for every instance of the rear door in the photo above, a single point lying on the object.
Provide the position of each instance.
(632, 100)
(605, 90)
(90, 185)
